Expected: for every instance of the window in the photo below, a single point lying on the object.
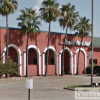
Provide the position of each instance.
(94, 61)
(52, 61)
(16, 60)
(35, 61)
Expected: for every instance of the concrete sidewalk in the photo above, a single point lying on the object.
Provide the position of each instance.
(41, 77)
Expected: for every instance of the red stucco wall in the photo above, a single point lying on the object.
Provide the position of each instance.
(40, 41)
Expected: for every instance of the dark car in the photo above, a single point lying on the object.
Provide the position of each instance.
(96, 70)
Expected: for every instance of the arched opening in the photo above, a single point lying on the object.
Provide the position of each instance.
(13, 54)
(51, 57)
(81, 62)
(52, 62)
(34, 59)
(52, 65)
(66, 62)
(68, 59)
(33, 62)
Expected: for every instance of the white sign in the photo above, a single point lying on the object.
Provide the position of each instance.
(89, 93)
(87, 43)
(29, 83)
(78, 43)
(70, 42)
(84, 43)
(91, 54)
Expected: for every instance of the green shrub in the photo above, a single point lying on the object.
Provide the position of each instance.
(2, 68)
(88, 69)
(10, 68)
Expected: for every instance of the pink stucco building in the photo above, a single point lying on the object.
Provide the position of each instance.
(37, 52)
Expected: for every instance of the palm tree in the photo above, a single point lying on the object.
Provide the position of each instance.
(50, 12)
(29, 24)
(7, 7)
(83, 28)
(68, 20)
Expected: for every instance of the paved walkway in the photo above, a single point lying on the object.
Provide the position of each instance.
(45, 88)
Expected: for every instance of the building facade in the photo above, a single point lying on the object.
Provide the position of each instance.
(38, 49)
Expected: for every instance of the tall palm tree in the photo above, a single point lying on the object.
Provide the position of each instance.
(50, 12)
(83, 28)
(29, 24)
(69, 17)
(7, 7)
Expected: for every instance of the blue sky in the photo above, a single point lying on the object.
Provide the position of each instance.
(82, 6)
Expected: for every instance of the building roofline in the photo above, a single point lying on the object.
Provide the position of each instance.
(1, 27)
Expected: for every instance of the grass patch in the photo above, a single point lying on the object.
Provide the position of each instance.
(75, 86)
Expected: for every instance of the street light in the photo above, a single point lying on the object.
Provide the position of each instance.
(92, 43)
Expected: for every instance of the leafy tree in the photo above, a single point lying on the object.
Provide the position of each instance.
(10, 68)
(69, 17)
(83, 28)
(29, 24)
(50, 12)
(2, 67)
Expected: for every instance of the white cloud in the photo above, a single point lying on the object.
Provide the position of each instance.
(60, 6)
(38, 6)
(39, 2)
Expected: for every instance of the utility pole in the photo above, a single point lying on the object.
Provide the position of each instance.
(92, 42)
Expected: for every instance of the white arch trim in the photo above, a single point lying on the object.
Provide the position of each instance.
(19, 56)
(39, 54)
(85, 59)
(71, 60)
(56, 58)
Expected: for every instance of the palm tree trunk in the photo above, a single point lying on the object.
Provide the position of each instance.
(7, 42)
(64, 51)
(78, 57)
(27, 56)
(46, 70)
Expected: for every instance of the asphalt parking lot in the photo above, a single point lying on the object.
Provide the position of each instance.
(44, 88)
